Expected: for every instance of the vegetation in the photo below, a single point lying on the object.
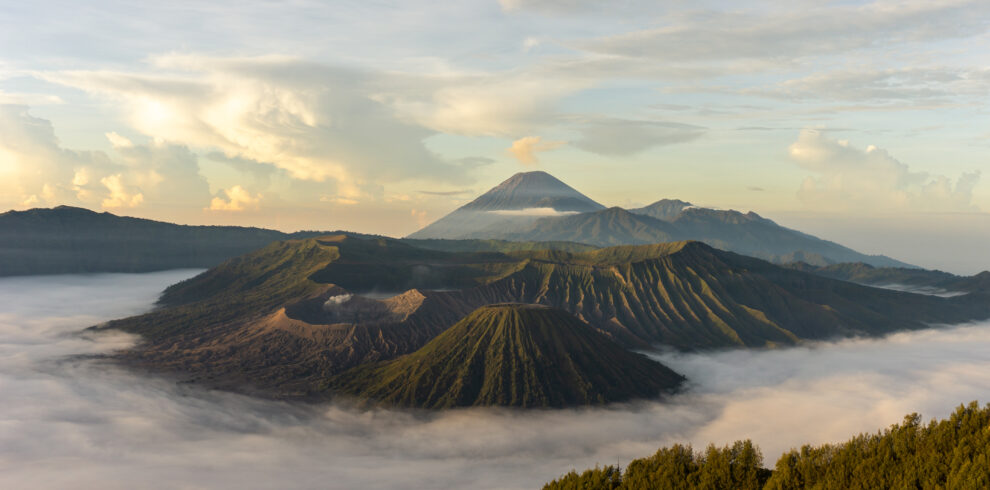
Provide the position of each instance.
(511, 355)
(946, 454)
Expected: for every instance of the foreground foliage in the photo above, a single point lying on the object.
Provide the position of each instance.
(951, 453)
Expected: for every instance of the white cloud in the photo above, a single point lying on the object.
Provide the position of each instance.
(525, 149)
(317, 122)
(120, 196)
(238, 199)
(532, 212)
(118, 141)
(847, 178)
(42, 172)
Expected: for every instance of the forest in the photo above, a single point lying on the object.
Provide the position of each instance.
(943, 454)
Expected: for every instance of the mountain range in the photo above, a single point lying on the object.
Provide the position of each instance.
(528, 211)
(288, 319)
(511, 211)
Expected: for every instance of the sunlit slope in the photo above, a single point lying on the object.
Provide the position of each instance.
(511, 355)
(689, 295)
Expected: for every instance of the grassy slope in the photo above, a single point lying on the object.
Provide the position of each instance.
(511, 355)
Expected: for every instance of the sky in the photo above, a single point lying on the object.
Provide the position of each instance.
(69, 419)
(861, 122)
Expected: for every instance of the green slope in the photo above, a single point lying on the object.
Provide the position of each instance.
(511, 355)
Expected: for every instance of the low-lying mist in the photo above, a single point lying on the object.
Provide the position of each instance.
(69, 420)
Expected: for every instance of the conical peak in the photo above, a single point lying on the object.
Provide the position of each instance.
(536, 189)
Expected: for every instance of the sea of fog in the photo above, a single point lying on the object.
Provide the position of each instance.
(68, 420)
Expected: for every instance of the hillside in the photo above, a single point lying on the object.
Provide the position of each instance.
(284, 319)
(950, 453)
(511, 355)
(66, 240)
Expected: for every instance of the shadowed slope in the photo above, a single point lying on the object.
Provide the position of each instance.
(512, 355)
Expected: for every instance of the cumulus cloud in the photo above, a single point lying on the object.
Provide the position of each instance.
(74, 421)
(317, 122)
(120, 196)
(525, 149)
(621, 137)
(238, 199)
(867, 180)
(42, 172)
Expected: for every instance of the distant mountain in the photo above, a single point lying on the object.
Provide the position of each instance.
(569, 216)
(518, 201)
(918, 280)
(285, 319)
(664, 209)
(67, 239)
(609, 227)
(511, 355)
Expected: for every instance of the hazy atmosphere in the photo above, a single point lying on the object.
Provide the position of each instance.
(506, 244)
(860, 122)
(71, 420)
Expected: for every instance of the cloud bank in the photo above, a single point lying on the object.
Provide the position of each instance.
(868, 180)
(77, 422)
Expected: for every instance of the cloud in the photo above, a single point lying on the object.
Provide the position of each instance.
(238, 199)
(317, 122)
(495, 103)
(912, 85)
(446, 193)
(705, 36)
(846, 178)
(621, 137)
(119, 141)
(525, 149)
(119, 197)
(532, 212)
(42, 172)
(72, 420)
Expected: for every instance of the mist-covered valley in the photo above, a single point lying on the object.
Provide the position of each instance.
(72, 419)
